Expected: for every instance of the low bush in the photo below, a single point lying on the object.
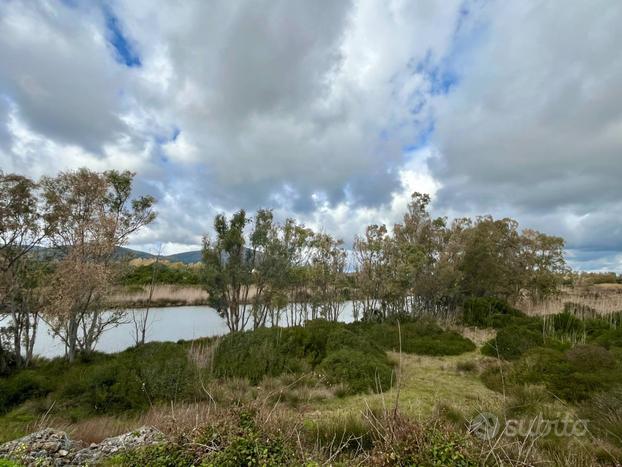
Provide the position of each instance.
(226, 442)
(356, 360)
(610, 338)
(404, 442)
(358, 371)
(467, 366)
(489, 312)
(22, 386)
(421, 337)
(573, 375)
(512, 341)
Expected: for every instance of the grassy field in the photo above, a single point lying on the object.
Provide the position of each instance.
(272, 392)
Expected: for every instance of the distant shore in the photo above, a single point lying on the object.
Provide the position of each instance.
(164, 295)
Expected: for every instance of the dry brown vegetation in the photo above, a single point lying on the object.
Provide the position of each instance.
(602, 298)
(163, 295)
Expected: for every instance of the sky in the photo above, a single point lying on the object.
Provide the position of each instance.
(328, 111)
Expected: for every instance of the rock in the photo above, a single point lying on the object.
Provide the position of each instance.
(54, 448)
(39, 448)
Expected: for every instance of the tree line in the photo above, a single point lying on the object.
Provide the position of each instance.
(256, 270)
(259, 271)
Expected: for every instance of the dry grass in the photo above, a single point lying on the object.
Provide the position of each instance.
(201, 353)
(163, 295)
(603, 298)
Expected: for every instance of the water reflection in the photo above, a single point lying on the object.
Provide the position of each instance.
(165, 324)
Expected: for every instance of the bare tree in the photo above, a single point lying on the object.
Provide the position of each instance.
(140, 319)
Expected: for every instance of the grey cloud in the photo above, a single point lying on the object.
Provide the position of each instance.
(535, 124)
(59, 71)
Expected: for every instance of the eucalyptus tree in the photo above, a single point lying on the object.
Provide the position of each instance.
(327, 277)
(94, 214)
(371, 255)
(23, 226)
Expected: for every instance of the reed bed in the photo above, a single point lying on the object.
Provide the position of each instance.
(163, 295)
(603, 299)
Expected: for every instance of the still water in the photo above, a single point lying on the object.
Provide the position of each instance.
(165, 324)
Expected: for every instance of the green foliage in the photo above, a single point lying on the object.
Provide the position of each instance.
(24, 385)
(274, 351)
(224, 444)
(489, 312)
(165, 273)
(107, 384)
(418, 445)
(573, 375)
(422, 337)
(159, 455)
(264, 352)
(512, 341)
(251, 447)
(359, 371)
(604, 411)
(610, 338)
(8, 463)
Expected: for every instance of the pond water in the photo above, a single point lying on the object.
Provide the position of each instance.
(165, 324)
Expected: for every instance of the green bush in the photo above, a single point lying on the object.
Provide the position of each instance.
(573, 375)
(274, 351)
(358, 371)
(587, 358)
(421, 337)
(610, 338)
(511, 342)
(22, 386)
(159, 455)
(489, 312)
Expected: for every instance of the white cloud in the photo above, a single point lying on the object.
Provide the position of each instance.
(313, 108)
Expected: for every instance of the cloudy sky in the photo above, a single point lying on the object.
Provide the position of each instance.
(329, 111)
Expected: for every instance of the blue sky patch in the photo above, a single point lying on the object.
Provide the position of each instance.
(124, 50)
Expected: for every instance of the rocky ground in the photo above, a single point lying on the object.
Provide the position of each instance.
(51, 447)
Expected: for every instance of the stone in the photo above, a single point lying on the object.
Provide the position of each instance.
(54, 448)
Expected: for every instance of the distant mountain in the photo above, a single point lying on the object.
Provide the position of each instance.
(187, 257)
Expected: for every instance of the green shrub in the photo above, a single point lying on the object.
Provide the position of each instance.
(421, 337)
(22, 386)
(587, 358)
(410, 443)
(264, 352)
(511, 342)
(275, 351)
(573, 375)
(131, 380)
(489, 312)
(159, 455)
(610, 338)
(357, 370)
